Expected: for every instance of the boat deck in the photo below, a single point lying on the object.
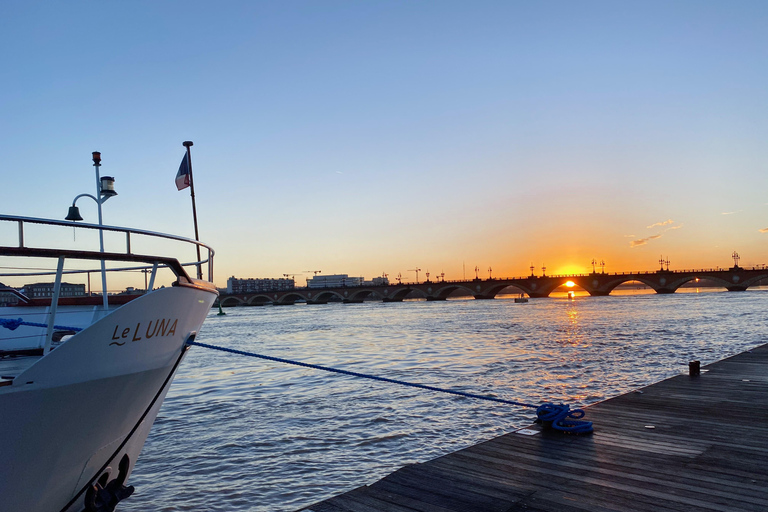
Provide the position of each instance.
(685, 443)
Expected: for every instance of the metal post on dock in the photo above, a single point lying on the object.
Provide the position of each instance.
(694, 368)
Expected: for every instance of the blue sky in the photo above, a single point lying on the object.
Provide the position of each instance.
(369, 137)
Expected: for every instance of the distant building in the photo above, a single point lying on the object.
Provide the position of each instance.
(8, 296)
(334, 281)
(379, 281)
(250, 285)
(132, 291)
(45, 290)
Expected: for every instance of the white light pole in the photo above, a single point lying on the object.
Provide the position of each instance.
(105, 188)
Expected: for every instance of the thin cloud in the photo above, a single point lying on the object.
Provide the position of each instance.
(764, 230)
(629, 236)
(674, 227)
(730, 213)
(643, 241)
(666, 222)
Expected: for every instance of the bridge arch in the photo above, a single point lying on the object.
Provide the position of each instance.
(288, 299)
(231, 301)
(443, 292)
(259, 300)
(735, 282)
(324, 296)
(493, 291)
(417, 293)
(578, 286)
(396, 293)
(606, 284)
(542, 287)
(359, 295)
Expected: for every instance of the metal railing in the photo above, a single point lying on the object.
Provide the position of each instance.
(128, 255)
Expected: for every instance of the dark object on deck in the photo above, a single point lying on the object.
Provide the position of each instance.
(694, 368)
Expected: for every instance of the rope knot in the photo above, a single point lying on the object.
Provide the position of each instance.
(561, 417)
(10, 323)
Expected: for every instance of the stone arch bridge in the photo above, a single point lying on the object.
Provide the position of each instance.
(596, 284)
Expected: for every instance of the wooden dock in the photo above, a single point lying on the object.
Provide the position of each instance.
(686, 443)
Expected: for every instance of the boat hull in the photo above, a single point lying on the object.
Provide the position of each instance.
(69, 419)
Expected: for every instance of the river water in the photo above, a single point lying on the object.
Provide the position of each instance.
(243, 434)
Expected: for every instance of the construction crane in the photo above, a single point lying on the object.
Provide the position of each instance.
(312, 271)
(417, 270)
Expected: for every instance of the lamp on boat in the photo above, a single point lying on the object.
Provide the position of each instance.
(107, 187)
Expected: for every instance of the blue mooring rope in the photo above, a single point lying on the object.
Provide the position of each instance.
(13, 324)
(557, 416)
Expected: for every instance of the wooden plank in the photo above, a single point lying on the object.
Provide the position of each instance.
(664, 467)
(567, 476)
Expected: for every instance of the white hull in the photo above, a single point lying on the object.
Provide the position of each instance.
(79, 409)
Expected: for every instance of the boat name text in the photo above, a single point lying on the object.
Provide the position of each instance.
(159, 327)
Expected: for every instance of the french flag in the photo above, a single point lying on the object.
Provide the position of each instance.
(182, 177)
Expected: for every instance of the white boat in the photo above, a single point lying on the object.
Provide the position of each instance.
(82, 380)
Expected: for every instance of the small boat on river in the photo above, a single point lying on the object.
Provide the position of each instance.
(83, 378)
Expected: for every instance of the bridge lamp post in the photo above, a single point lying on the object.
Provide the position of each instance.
(476, 271)
(602, 266)
(532, 268)
(594, 262)
(490, 276)
(543, 271)
(105, 188)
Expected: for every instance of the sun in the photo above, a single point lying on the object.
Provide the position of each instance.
(570, 284)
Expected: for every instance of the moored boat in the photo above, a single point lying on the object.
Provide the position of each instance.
(83, 378)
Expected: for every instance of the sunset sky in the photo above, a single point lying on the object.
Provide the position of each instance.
(364, 137)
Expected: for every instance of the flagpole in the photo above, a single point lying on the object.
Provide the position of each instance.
(187, 144)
